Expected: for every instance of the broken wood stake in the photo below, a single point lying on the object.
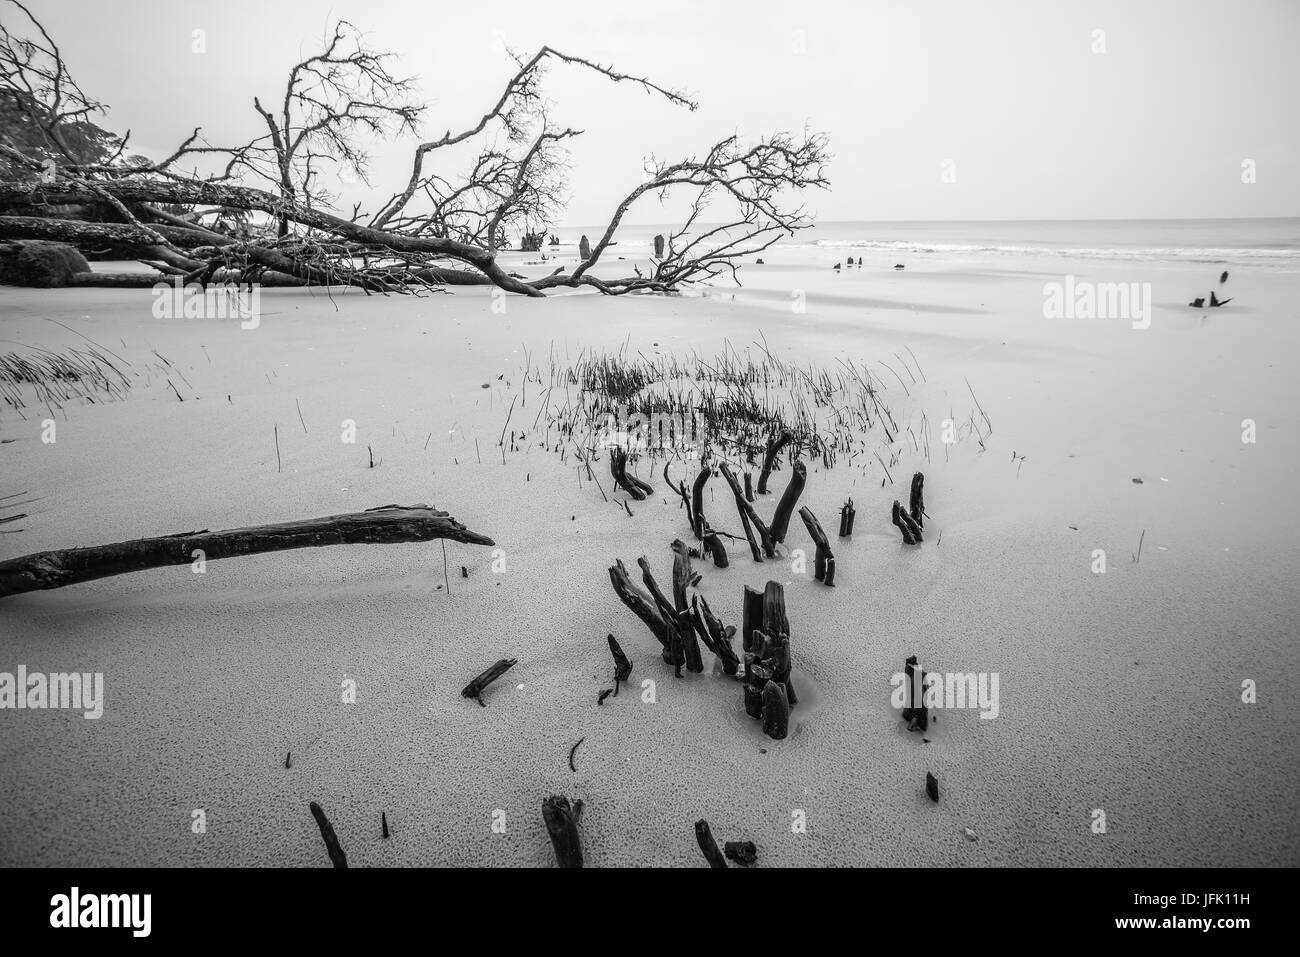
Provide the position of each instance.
(917, 501)
(742, 852)
(336, 854)
(897, 518)
(628, 483)
(704, 837)
(749, 517)
(622, 666)
(697, 501)
(846, 519)
(824, 563)
(713, 545)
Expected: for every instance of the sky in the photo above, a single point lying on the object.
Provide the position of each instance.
(936, 109)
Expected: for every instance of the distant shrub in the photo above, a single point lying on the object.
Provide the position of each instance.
(42, 265)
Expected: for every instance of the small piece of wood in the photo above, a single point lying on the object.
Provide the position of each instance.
(476, 687)
(562, 825)
(916, 714)
(751, 617)
(824, 562)
(622, 665)
(642, 605)
(932, 787)
(628, 483)
(704, 837)
(916, 506)
(785, 507)
(697, 500)
(383, 823)
(680, 489)
(384, 525)
(749, 486)
(847, 514)
(717, 551)
(774, 447)
(742, 852)
(336, 854)
(776, 711)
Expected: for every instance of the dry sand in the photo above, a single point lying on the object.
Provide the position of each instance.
(1118, 691)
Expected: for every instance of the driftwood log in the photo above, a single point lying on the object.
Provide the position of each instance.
(905, 524)
(337, 857)
(774, 447)
(824, 562)
(645, 608)
(476, 687)
(562, 825)
(785, 507)
(704, 837)
(749, 518)
(378, 526)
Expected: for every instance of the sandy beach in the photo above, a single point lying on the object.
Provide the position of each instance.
(1119, 691)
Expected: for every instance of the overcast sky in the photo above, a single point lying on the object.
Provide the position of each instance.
(1035, 123)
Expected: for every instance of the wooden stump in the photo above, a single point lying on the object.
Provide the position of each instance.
(697, 501)
(715, 636)
(704, 837)
(622, 665)
(774, 447)
(917, 501)
(824, 563)
(749, 517)
(562, 825)
(634, 487)
(785, 508)
(846, 519)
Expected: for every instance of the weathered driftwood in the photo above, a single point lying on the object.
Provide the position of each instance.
(704, 837)
(749, 486)
(742, 852)
(641, 604)
(628, 483)
(697, 501)
(916, 504)
(749, 517)
(681, 635)
(337, 857)
(751, 616)
(383, 824)
(847, 514)
(904, 523)
(622, 665)
(384, 525)
(562, 825)
(476, 687)
(932, 787)
(785, 507)
(774, 447)
(715, 636)
(824, 562)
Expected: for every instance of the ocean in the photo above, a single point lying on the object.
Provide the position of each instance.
(1265, 243)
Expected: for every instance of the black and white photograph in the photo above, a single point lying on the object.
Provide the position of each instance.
(529, 435)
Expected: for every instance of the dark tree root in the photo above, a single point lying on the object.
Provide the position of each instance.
(600, 699)
(680, 489)
(749, 517)
(916, 714)
(916, 506)
(641, 604)
(697, 501)
(337, 857)
(622, 666)
(681, 647)
(562, 825)
(704, 837)
(383, 824)
(572, 751)
(713, 545)
(715, 637)
(932, 787)
(742, 852)
(785, 508)
(846, 519)
(628, 483)
(774, 447)
(911, 531)
(824, 563)
(476, 687)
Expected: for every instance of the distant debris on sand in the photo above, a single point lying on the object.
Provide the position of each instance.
(1223, 278)
(1216, 302)
(759, 261)
(932, 787)
(742, 852)
(476, 687)
(850, 260)
(332, 847)
(899, 266)
(1197, 303)
(836, 267)
(704, 837)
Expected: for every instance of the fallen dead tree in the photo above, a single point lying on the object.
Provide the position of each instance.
(378, 526)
